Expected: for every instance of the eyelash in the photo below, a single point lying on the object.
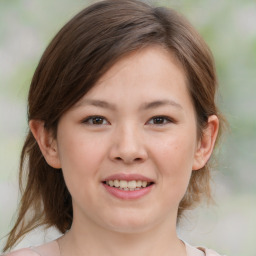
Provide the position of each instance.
(165, 118)
(91, 119)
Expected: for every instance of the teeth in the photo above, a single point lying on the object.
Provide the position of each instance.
(139, 183)
(127, 185)
(111, 183)
(116, 183)
(132, 184)
(144, 184)
(123, 184)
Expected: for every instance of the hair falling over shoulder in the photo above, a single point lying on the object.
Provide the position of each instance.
(81, 52)
(40, 196)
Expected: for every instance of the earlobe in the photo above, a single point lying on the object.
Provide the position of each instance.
(46, 142)
(206, 143)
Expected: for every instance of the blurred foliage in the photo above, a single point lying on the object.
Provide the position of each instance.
(229, 27)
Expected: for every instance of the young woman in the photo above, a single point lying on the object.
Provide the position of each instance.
(123, 122)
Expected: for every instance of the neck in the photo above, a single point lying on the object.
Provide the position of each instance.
(94, 240)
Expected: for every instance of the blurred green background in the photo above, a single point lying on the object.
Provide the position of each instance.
(229, 27)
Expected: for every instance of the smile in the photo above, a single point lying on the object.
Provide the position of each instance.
(131, 185)
(128, 186)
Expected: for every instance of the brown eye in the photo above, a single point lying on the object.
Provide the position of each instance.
(159, 120)
(95, 120)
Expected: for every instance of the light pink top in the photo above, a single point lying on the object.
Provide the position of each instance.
(52, 249)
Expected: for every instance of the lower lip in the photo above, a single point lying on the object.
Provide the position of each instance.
(124, 194)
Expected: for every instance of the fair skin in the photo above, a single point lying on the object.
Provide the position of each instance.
(137, 123)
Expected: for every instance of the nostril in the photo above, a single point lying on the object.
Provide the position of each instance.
(138, 159)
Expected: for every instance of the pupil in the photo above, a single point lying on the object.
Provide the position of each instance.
(158, 120)
(97, 120)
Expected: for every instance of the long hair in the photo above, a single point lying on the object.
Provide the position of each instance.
(81, 52)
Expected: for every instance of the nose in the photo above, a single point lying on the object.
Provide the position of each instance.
(128, 146)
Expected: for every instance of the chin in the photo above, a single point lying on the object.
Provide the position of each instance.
(130, 224)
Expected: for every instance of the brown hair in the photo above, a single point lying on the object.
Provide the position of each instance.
(83, 50)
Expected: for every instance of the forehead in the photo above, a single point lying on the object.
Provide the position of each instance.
(154, 58)
(145, 80)
(151, 74)
(140, 70)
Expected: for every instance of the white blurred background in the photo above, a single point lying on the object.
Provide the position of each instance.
(229, 27)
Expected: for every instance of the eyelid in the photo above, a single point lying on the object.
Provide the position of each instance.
(89, 118)
(167, 118)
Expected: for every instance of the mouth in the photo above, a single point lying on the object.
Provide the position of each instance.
(132, 185)
(128, 186)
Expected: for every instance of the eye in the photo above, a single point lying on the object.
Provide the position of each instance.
(160, 120)
(96, 120)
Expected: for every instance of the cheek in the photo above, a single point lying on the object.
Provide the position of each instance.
(174, 153)
(80, 159)
(173, 158)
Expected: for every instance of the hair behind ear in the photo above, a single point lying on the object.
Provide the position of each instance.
(41, 203)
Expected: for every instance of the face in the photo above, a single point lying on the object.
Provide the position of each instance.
(128, 147)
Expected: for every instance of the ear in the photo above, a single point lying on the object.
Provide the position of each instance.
(206, 143)
(46, 142)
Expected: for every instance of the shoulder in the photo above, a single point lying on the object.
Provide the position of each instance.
(200, 251)
(209, 252)
(49, 249)
(22, 252)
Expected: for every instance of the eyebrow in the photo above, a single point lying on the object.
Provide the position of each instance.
(96, 103)
(160, 103)
(144, 106)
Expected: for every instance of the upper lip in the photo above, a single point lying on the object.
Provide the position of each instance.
(128, 177)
